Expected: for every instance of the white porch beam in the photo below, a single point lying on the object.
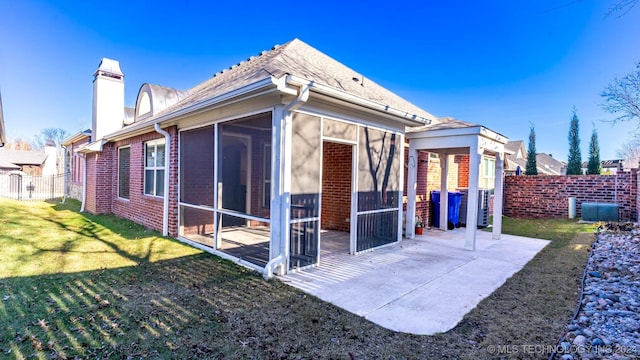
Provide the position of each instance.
(412, 183)
(497, 196)
(444, 192)
(472, 199)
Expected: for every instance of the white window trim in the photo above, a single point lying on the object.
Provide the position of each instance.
(155, 169)
(118, 180)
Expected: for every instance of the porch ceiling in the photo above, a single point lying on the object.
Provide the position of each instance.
(421, 286)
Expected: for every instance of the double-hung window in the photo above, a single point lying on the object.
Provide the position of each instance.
(488, 175)
(154, 153)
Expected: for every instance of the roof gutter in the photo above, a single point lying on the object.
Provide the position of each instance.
(410, 119)
(281, 258)
(165, 208)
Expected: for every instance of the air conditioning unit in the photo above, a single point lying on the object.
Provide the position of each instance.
(483, 208)
(484, 195)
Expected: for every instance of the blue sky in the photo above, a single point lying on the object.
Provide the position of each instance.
(502, 64)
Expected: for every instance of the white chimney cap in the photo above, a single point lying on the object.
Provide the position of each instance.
(110, 66)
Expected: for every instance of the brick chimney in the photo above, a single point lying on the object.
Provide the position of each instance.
(108, 99)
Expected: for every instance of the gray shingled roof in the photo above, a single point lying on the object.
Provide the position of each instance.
(294, 58)
(22, 157)
(514, 146)
(549, 165)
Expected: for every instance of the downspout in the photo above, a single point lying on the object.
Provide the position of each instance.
(167, 156)
(84, 180)
(303, 96)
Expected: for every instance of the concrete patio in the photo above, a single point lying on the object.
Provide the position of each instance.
(422, 286)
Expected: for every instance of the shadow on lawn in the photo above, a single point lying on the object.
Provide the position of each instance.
(164, 309)
(189, 306)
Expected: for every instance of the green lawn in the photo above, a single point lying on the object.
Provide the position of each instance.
(98, 287)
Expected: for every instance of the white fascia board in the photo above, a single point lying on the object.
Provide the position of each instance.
(266, 85)
(405, 117)
(490, 134)
(471, 130)
(76, 137)
(464, 131)
(95, 146)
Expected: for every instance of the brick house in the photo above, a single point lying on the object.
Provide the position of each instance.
(256, 163)
(73, 164)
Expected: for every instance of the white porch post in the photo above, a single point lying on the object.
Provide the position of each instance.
(444, 192)
(400, 146)
(412, 183)
(497, 196)
(280, 185)
(472, 200)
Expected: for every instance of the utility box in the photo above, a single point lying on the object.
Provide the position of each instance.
(600, 212)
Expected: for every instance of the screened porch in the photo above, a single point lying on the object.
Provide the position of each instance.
(331, 175)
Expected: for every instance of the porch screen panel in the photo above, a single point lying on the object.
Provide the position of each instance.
(305, 190)
(196, 166)
(197, 225)
(242, 165)
(378, 187)
(196, 185)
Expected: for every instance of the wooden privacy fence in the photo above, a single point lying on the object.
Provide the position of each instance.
(548, 196)
(31, 188)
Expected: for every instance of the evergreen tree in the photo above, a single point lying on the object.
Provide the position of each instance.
(574, 165)
(532, 165)
(593, 168)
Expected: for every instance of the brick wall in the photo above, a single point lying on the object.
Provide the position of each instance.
(336, 186)
(140, 208)
(422, 198)
(547, 196)
(99, 181)
(463, 170)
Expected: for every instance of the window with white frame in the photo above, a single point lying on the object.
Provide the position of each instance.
(488, 173)
(124, 161)
(266, 178)
(154, 153)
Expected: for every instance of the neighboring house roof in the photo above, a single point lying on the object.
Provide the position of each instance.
(3, 136)
(295, 58)
(516, 148)
(5, 165)
(23, 157)
(517, 156)
(607, 164)
(548, 165)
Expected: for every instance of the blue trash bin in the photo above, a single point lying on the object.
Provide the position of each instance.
(454, 200)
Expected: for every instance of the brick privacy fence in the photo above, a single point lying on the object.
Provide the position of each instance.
(547, 196)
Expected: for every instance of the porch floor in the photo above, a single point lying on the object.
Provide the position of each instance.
(422, 286)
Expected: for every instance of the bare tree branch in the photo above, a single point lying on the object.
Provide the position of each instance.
(621, 7)
(622, 96)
